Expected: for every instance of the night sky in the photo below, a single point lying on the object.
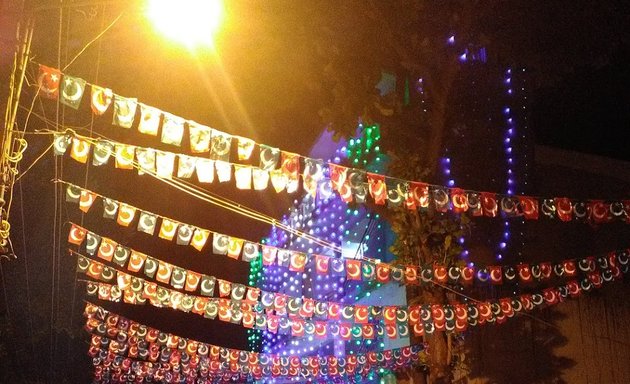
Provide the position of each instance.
(257, 86)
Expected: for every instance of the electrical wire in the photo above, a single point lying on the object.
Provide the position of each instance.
(93, 40)
(26, 271)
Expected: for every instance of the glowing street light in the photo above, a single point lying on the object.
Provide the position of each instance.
(190, 22)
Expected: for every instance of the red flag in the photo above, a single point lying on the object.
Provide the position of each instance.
(564, 208)
(382, 273)
(321, 264)
(339, 178)
(411, 275)
(86, 200)
(49, 80)
(164, 272)
(76, 235)
(418, 196)
(353, 269)
(298, 262)
(489, 204)
(529, 206)
(269, 255)
(290, 168)
(192, 281)
(496, 274)
(458, 197)
(599, 211)
(106, 249)
(361, 314)
(377, 188)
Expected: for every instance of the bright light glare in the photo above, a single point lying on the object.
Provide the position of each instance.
(190, 22)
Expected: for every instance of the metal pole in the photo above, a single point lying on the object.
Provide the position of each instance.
(12, 147)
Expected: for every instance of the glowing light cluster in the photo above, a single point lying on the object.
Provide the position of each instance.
(190, 22)
(355, 230)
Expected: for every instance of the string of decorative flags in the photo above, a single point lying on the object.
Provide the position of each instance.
(613, 263)
(351, 183)
(396, 320)
(272, 316)
(366, 269)
(115, 336)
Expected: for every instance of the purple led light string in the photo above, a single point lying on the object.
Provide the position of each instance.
(446, 162)
(511, 139)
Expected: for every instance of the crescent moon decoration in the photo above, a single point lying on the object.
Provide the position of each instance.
(48, 80)
(207, 285)
(382, 273)
(72, 89)
(101, 99)
(124, 111)
(73, 194)
(192, 281)
(106, 249)
(86, 200)
(238, 292)
(251, 251)
(150, 267)
(234, 247)
(110, 208)
(150, 290)
(178, 278)
(220, 244)
(76, 235)
(121, 254)
(184, 234)
(136, 261)
(146, 160)
(187, 303)
(92, 244)
(164, 296)
(168, 229)
(146, 223)
(396, 196)
(102, 152)
(126, 214)
(61, 142)
(137, 285)
(92, 289)
(125, 155)
(83, 264)
(164, 272)
(108, 274)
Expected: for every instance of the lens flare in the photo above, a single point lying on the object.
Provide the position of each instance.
(189, 22)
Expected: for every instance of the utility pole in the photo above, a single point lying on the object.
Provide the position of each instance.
(13, 142)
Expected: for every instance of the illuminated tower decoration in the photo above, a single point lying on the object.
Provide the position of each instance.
(354, 229)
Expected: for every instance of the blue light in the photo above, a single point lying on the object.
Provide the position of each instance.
(451, 40)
